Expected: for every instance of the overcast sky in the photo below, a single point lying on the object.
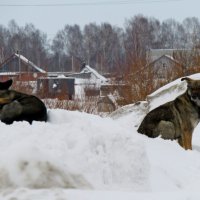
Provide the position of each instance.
(51, 15)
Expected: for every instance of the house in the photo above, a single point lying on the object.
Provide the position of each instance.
(19, 67)
(88, 82)
(171, 62)
(164, 67)
(68, 85)
(65, 85)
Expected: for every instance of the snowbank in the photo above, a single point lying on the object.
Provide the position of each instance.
(102, 158)
(102, 155)
(168, 92)
(73, 150)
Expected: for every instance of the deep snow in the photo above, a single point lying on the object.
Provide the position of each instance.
(82, 156)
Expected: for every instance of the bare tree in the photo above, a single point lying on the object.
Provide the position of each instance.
(192, 32)
(68, 45)
(4, 37)
(173, 35)
(110, 46)
(91, 44)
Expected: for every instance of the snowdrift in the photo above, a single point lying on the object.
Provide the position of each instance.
(102, 158)
(73, 150)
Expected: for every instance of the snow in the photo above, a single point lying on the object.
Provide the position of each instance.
(86, 157)
(29, 62)
(87, 68)
(168, 92)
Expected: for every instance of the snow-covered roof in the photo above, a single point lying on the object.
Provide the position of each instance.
(8, 73)
(165, 56)
(25, 60)
(170, 57)
(87, 68)
(154, 54)
(53, 77)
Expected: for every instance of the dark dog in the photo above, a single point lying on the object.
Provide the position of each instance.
(17, 106)
(176, 119)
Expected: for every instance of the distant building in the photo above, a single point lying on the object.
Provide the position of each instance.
(68, 85)
(17, 66)
(88, 82)
(60, 87)
(165, 66)
(154, 54)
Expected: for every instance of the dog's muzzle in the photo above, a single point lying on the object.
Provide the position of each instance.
(196, 99)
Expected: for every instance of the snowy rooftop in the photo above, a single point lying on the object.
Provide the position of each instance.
(87, 68)
(166, 56)
(25, 60)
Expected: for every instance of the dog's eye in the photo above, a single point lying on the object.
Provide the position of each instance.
(194, 96)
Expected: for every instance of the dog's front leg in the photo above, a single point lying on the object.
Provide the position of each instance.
(186, 140)
(10, 112)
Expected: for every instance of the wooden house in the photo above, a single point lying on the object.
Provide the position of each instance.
(20, 68)
(164, 68)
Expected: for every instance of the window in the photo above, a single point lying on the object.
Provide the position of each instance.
(164, 65)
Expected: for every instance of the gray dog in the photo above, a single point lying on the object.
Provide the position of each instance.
(17, 106)
(176, 119)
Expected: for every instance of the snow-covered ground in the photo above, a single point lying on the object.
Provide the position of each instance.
(79, 156)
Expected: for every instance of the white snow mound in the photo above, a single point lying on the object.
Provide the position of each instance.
(73, 150)
(106, 156)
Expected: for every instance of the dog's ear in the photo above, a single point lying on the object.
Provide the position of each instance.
(189, 80)
(5, 85)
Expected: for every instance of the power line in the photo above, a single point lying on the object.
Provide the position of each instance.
(89, 3)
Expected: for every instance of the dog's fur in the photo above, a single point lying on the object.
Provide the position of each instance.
(17, 106)
(176, 119)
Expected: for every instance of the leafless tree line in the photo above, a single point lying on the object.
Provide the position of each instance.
(108, 48)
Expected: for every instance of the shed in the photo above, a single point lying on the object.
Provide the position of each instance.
(56, 87)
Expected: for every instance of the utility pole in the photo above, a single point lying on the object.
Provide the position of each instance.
(19, 64)
(59, 62)
(72, 64)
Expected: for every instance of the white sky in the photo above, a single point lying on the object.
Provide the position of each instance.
(50, 19)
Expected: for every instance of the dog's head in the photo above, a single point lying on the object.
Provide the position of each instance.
(5, 96)
(5, 85)
(193, 88)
